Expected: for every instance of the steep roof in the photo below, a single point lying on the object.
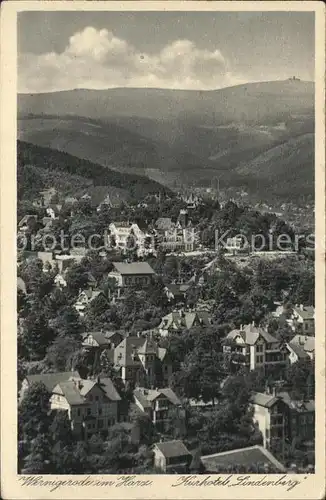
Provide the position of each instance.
(298, 350)
(244, 456)
(306, 342)
(70, 392)
(297, 405)
(306, 312)
(107, 386)
(147, 396)
(50, 380)
(133, 268)
(250, 334)
(265, 400)
(148, 347)
(100, 337)
(171, 449)
(123, 351)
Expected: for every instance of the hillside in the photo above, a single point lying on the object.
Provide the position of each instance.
(248, 102)
(39, 168)
(182, 138)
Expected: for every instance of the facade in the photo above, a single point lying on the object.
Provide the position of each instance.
(132, 274)
(172, 457)
(157, 403)
(182, 320)
(270, 416)
(142, 362)
(121, 232)
(91, 405)
(278, 416)
(254, 347)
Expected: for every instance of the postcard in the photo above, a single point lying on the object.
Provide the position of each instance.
(162, 250)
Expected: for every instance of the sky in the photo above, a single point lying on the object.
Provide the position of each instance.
(181, 50)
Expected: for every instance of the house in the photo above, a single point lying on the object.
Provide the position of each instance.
(301, 347)
(270, 416)
(124, 234)
(300, 415)
(172, 457)
(234, 245)
(303, 318)
(53, 210)
(131, 274)
(183, 320)
(64, 262)
(91, 405)
(256, 457)
(279, 416)
(177, 292)
(101, 340)
(157, 403)
(106, 202)
(141, 361)
(254, 347)
(85, 298)
(49, 196)
(50, 380)
(47, 259)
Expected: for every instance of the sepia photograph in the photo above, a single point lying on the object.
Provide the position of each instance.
(166, 248)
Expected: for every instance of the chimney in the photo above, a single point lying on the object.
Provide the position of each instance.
(80, 384)
(301, 307)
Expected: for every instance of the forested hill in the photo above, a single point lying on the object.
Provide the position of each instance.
(39, 167)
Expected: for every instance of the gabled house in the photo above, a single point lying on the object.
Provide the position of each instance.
(303, 318)
(86, 297)
(91, 405)
(172, 457)
(177, 292)
(122, 232)
(157, 403)
(50, 380)
(254, 347)
(139, 360)
(183, 320)
(131, 274)
(101, 340)
(301, 347)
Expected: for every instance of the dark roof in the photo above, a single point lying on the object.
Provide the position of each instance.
(147, 396)
(171, 449)
(71, 392)
(297, 405)
(50, 380)
(107, 386)
(298, 350)
(133, 268)
(261, 399)
(244, 456)
(178, 289)
(100, 337)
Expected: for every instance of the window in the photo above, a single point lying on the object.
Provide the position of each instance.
(260, 348)
(78, 412)
(100, 424)
(88, 411)
(91, 397)
(96, 398)
(100, 411)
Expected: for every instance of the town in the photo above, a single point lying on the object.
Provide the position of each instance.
(147, 345)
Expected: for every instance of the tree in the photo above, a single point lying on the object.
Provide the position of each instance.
(33, 412)
(59, 353)
(39, 459)
(35, 335)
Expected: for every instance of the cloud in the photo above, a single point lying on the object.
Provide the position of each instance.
(97, 59)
